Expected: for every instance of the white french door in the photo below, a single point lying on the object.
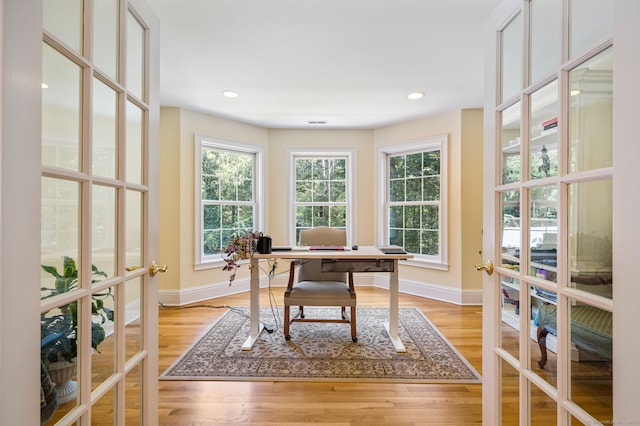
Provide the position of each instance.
(99, 205)
(555, 219)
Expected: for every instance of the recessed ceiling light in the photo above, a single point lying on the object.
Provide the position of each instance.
(45, 86)
(415, 95)
(230, 94)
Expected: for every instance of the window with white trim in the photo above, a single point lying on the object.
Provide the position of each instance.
(229, 176)
(415, 193)
(321, 193)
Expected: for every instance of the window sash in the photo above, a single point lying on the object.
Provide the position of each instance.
(414, 200)
(334, 206)
(225, 209)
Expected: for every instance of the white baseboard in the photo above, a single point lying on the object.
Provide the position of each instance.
(430, 291)
(433, 291)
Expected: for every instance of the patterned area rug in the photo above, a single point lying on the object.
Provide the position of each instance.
(324, 351)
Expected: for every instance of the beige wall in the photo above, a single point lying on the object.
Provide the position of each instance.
(178, 128)
(359, 140)
(464, 130)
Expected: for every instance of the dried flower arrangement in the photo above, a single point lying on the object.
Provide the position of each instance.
(242, 246)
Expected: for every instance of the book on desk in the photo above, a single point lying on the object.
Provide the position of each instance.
(308, 248)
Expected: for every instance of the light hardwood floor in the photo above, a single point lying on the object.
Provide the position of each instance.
(277, 403)
(337, 404)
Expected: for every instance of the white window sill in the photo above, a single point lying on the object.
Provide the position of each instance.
(422, 262)
(214, 263)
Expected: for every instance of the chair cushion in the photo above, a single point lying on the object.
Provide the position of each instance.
(320, 293)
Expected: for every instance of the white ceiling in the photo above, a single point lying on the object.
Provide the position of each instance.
(350, 63)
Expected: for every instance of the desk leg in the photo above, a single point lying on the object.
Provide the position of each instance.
(392, 325)
(254, 307)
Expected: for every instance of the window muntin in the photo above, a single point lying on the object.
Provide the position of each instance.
(321, 191)
(227, 194)
(415, 198)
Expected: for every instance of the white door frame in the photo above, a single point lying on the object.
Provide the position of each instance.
(626, 204)
(20, 181)
(20, 87)
(151, 237)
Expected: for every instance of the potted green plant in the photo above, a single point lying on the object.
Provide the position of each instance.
(59, 332)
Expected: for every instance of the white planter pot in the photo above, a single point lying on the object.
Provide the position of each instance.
(61, 373)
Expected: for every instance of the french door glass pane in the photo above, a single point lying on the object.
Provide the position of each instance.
(543, 132)
(61, 111)
(105, 36)
(546, 30)
(511, 60)
(543, 232)
(591, 366)
(590, 241)
(133, 395)
(133, 311)
(63, 19)
(103, 239)
(64, 373)
(134, 146)
(510, 387)
(135, 57)
(510, 144)
(510, 314)
(133, 228)
(543, 408)
(542, 303)
(103, 411)
(60, 224)
(510, 234)
(103, 363)
(104, 146)
(586, 27)
(591, 113)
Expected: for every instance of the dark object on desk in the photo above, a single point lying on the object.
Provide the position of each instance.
(264, 245)
(354, 247)
(316, 288)
(281, 248)
(392, 250)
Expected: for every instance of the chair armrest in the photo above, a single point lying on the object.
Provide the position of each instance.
(352, 290)
(292, 275)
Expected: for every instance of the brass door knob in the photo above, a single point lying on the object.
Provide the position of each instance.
(512, 267)
(154, 268)
(487, 267)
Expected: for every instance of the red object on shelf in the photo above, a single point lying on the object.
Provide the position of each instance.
(550, 124)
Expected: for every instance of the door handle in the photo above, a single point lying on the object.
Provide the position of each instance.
(487, 267)
(154, 268)
(512, 267)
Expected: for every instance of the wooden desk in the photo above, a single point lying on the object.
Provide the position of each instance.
(358, 259)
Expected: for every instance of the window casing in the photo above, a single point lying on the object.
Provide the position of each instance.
(320, 190)
(228, 196)
(413, 188)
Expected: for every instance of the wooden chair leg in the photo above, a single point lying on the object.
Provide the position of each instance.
(541, 334)
(286, 322)
(353, 324)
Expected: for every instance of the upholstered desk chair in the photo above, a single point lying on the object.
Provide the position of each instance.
(317, 288)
